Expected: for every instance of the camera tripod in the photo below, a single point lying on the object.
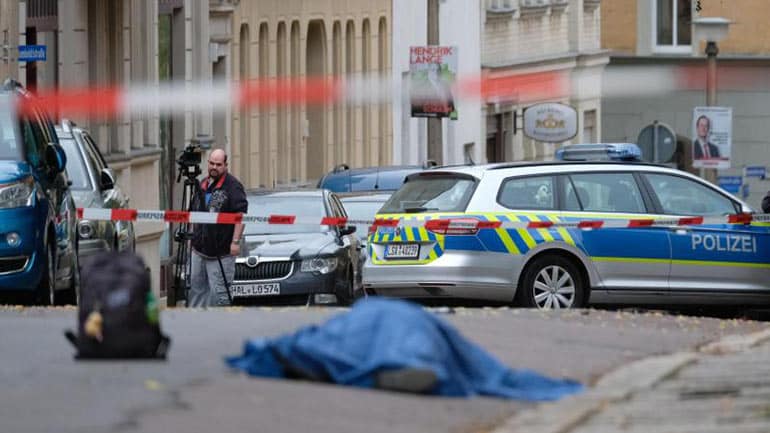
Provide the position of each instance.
(183, 236)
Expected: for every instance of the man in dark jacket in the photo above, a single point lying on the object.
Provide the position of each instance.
(215, 246)
(766, 203)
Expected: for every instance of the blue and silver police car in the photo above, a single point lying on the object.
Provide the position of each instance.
(563, 266)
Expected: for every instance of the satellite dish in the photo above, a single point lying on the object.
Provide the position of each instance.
(657, 142)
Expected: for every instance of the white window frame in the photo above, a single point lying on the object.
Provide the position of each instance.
(668, 49)
(499, 5)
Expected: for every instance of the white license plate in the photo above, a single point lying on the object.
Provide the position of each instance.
(402, 251)
(266, 289)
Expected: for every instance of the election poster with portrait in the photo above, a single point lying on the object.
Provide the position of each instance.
(432, 74)
(712, 130)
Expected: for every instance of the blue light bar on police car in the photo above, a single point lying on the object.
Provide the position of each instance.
(600, 152)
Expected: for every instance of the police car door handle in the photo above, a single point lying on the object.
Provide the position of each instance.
(681, 230)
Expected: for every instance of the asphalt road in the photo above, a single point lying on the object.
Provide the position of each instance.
(42, 389)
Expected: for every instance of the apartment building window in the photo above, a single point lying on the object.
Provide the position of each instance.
(499, 9)
(499, 5)
(673, 25)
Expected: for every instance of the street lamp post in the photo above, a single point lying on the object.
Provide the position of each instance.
(711, 74)
(711, 30)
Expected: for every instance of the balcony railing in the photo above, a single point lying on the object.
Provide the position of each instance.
(591, 5)
(534, 7)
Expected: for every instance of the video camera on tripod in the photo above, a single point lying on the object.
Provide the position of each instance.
(189, 161)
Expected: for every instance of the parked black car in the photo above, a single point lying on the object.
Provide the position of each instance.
(291, 264)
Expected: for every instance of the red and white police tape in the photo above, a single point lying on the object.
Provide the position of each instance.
(218, 96)
(446, 225)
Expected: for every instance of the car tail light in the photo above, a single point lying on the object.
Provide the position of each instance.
(383, 222)
(459, 226)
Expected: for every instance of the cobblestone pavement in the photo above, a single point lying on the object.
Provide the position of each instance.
(715, 393)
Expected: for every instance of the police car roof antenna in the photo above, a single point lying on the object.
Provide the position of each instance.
(377, 179)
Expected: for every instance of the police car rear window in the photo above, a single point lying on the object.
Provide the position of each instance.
(431, 194)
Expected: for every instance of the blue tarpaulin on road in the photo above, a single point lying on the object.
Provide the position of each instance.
(379, 335)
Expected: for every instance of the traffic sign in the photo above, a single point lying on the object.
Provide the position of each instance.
(657, 142)
(32, 53)
(731, 184)
(759, 171)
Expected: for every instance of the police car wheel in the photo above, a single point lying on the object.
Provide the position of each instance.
(551, 282)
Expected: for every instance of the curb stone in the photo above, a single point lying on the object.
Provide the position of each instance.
(618, 385)
(735, 343)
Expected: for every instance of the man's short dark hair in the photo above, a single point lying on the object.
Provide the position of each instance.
(702, 116)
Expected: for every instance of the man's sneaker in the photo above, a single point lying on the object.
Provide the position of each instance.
(414, 380)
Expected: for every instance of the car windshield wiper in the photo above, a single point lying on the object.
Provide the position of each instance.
(419, 209)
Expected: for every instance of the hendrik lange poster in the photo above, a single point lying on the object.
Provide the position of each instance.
(432, 72)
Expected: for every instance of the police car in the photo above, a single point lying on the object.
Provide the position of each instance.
(503, 232)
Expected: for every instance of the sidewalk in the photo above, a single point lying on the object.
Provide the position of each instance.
(723, 387)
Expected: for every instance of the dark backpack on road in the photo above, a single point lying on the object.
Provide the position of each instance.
(118, 315)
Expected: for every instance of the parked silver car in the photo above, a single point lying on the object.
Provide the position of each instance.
(93, 186)
(362, 206)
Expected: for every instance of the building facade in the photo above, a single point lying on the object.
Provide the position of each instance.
(460, 27)
(659, 35)
(498, 39)
(106, 44)
(9, 37)
(150, 43)
(142, 43)
(293, 39)
(560, 38)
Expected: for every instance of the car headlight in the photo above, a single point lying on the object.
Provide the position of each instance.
(323, 265)
(86, 229)
(17, 194)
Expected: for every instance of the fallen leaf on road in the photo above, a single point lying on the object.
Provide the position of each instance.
(153, 385)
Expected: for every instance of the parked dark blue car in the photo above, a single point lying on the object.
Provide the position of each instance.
(346, 179)
(38, 237)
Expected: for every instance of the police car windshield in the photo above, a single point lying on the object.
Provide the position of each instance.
(9, 145)
(431, 194)
(297, 205)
